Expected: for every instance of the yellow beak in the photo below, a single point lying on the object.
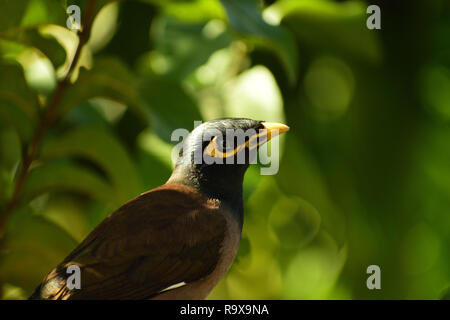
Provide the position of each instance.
(274, 129)
(270, 130)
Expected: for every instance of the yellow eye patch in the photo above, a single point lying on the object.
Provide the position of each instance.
(214, 150)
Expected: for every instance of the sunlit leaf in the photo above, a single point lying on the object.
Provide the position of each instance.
(11, 292)
(199, 10)
(255, 94)
(108, 78)
(39, 12)
(49, 46)
(104, 26)
(85, 4)
(193, 11)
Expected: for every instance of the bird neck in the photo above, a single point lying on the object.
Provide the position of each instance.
(221, 183)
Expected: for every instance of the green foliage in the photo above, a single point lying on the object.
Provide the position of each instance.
(12, 13)
(28, 255)
(19, 103)
(108, 78)
(102, 149)
(336, 26)
(363, 176)
(165, 97)
(60, 177)
(245, 18)
(33, 38)
(184, 46)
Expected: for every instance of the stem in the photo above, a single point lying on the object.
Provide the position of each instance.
(31, 153)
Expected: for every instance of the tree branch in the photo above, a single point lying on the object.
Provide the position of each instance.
(31, 152)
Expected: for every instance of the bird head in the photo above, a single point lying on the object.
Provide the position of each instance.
(216, 154)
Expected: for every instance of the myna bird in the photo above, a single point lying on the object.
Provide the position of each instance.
(175, 241)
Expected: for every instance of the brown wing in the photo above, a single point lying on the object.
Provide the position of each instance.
(163, 237)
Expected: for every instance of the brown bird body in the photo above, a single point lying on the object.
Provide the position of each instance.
(137, 252)
(173, 242)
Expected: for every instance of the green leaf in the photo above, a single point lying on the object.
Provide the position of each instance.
(11, 292)
(186, 46)
(18, 14)
(63, 176)
(193, 11)
(25, 13)
(18, 103)
(10, 153)
(12, 12)
(170, 105)
(9, 148)
(108, 78)
(245, 17)
(100, 147)
(49, 46)
(83, 4)
(71, 213)
(86, 115)
(328, 24)
(39, 12)
(32, 247)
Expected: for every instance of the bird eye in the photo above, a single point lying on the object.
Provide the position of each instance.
(219, 148)
(224, 144)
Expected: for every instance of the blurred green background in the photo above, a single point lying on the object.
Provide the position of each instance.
(365, 171)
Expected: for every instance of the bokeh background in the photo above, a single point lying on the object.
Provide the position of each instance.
(365, 170)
